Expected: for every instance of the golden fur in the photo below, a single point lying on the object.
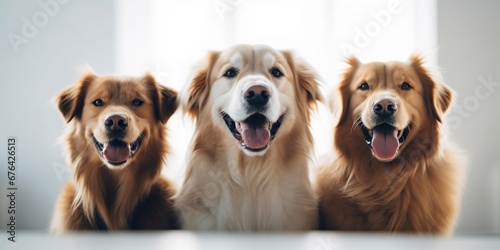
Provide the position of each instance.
(419, 190)
(232, 189)
(132, 195)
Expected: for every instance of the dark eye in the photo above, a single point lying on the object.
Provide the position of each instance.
(98, 103)
(276, 72)
(405, 86)
(230, 73)
(137, 102)
(364, 86)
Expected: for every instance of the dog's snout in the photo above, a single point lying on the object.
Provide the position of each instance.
(116, 122)
(257, 95)
(385, 107)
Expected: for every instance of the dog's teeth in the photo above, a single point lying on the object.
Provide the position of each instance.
(400, 133)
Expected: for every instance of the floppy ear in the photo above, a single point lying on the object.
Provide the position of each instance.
(164, 99)
(307, 79)
(70, 100)
(339, 102)
(199, 88)
(438, 96)
(169, 102)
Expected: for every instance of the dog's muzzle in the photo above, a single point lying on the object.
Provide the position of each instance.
(384, 138)
(255, 132)
(116, 151)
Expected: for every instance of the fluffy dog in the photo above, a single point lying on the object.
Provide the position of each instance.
(248, 162)
(116, 142)
(392, 169)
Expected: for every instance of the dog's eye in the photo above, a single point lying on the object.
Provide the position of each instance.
(364, 86)
(405, 86)
(276, 72)
(137, 102)
(230, 73)
(98, 103)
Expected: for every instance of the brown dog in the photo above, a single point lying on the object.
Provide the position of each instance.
(117, 146)
(392, 170)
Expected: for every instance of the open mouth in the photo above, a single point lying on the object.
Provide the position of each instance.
(385, 140)
(117, 152)
(255, 132)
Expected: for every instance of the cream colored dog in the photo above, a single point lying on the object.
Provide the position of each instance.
(248, 163)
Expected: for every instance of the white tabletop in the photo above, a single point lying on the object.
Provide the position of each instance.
(195, 240)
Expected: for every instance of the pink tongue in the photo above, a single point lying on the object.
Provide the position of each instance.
(116, 154)
(255, 137)
(384, 143)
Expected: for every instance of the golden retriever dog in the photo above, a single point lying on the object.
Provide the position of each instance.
(392, 170)
(247, 166)
(117, 146)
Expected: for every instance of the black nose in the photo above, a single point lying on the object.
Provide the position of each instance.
(257, 95)
(385, 107)
(116, 122)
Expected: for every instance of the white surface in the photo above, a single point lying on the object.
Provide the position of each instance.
(187, 240)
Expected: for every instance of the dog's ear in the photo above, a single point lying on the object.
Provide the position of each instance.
(169, 102)
(164, 99)
(438, 96)
(70, 100)
(199, 88)
(308, 80)
(339, 100)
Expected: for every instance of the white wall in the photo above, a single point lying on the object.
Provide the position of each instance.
(79, 32)
(469, 40)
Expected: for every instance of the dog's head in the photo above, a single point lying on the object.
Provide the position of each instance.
(252, 92)
(390, 105)
(116, 116)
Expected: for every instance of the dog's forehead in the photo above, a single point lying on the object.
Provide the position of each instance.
(400, 71)
(112, 87)
(268, 56)
(372, 72)
(247, 55)
(237, 60)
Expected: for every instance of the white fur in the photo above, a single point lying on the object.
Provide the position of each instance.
(260, 198)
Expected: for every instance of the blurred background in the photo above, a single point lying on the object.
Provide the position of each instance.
(44, 44)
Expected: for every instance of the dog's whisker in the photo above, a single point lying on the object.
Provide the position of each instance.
(357, 122)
